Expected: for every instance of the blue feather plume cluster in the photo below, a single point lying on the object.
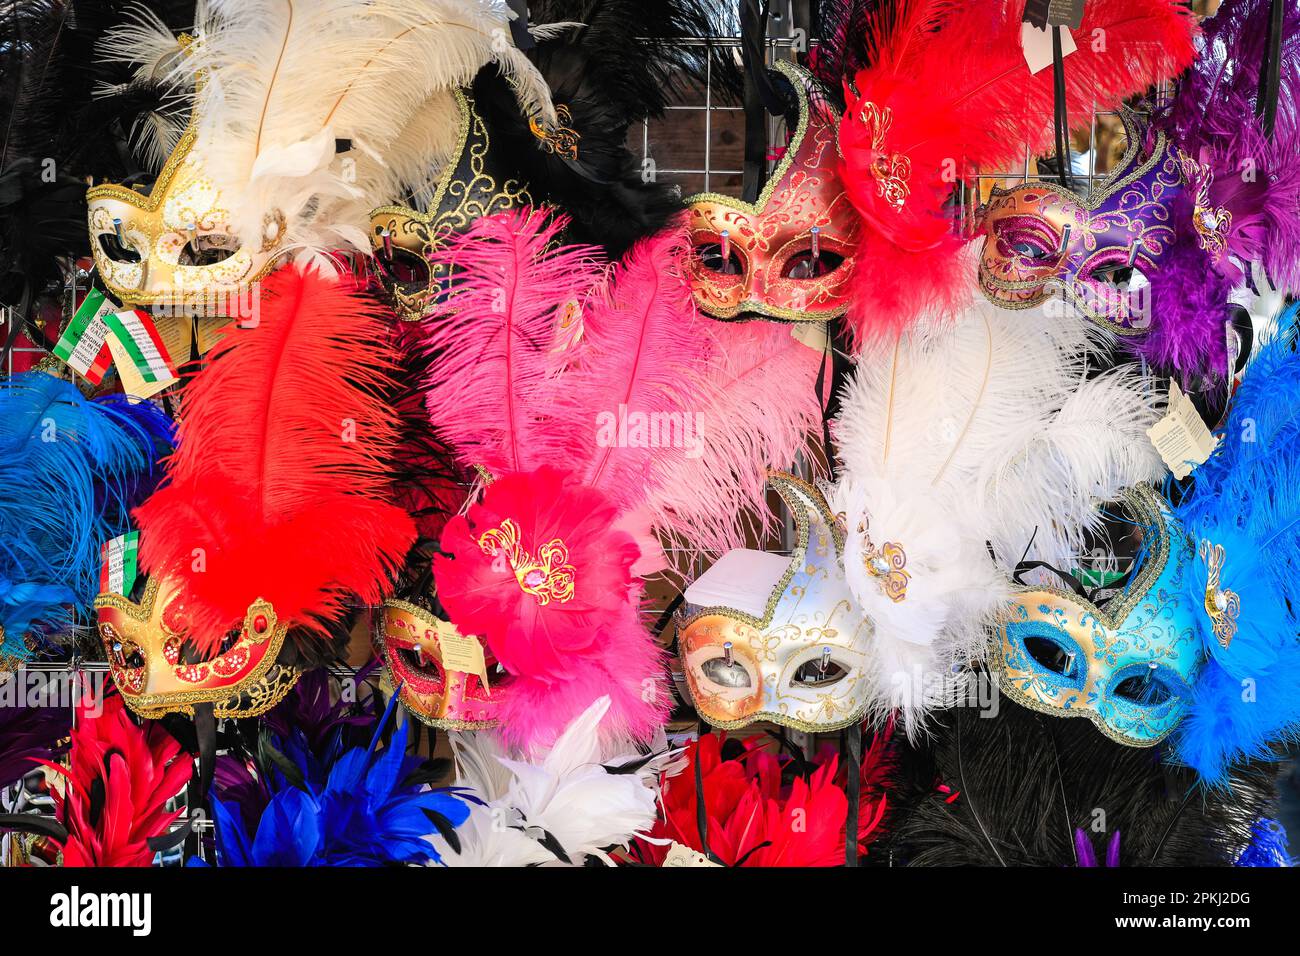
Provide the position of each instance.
(359, 807)
(1268, 846)
(1246, 499)
(71, 468)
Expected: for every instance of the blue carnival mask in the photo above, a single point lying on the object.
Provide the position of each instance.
(1129, 664)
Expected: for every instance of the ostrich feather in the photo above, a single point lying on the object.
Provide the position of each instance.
(285, 442)
(74, 468)
(760, 407)
(567, 806)
(959, 97)
(1245, 500)
(303, 106)
(968, 437)
(1009, 787)
(491, 345)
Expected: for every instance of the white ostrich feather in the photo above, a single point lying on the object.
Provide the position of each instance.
(966, 436)
(566, 796)
(283, 80)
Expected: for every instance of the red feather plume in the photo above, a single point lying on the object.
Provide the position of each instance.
(121, 777)
(281, 476)
(949, 92)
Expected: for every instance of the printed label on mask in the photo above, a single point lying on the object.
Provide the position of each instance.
(139, 354)
(119, 570)
(82, 345)
(1181, 437)
(1037, 44)
(461, 653)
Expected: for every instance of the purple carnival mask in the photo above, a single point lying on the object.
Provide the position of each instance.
(1101, 250)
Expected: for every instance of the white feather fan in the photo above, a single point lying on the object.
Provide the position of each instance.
(566, 798)
(983, 433)
(284, 81)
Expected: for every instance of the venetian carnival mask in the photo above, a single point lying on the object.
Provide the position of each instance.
(1100, 250)
(1129, 664)
(176, 246)
(419, 652)
(790, 255)
(157, 672)
(767, 637)
(475, 182)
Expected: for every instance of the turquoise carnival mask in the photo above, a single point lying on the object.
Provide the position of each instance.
(1129, 664)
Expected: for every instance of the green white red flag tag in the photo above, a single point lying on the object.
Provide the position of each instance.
(119, 569)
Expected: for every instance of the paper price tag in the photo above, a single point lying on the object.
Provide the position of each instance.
(679, 855)
(1037, 44)
(1181, 437)
(461, 653)
(82, 345)
(811, 334)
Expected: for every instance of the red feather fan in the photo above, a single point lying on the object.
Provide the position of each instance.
(278, 487)
(120, 779)
(949, 93)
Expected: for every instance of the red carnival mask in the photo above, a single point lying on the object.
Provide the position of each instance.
(790, 255)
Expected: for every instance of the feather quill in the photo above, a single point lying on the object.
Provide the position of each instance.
(285, 440)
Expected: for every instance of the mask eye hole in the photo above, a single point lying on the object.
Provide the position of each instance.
(819, 672)
(115, 250)
(1149, 689)
(1123, 277)
(1052, 656)
(1032, 251)
(207, 250)
(419, 661)
(723, 674)
(406, 267)
(131, 657)
(802, 265)
(710, 256)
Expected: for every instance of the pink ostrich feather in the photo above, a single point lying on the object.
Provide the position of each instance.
(491, 371)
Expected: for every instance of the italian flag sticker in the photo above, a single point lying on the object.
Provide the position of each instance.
(119, 570)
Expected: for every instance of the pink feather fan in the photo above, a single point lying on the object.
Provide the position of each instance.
(593, 439)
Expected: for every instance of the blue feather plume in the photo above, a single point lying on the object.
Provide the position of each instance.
(351, 808)
(1268, 846)
(71, 469)
(1246, 499)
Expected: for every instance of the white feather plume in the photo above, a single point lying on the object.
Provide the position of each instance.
(981, 433)
(282, 80)
(567, 796)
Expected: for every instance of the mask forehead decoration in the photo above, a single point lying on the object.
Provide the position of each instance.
(1128, 665)
(1101, 250)
(295, 137)
(477, 181)
(787, 257)
(799, 657)
(410, 639)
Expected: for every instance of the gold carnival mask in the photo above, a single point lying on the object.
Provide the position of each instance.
(475, 183)
(799, 659)
(790, 255)
(157, 673)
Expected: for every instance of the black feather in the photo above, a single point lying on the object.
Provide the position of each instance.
(1025, 782)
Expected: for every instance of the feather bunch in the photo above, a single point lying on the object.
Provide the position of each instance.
(304, 107)
(1213, 118)
(66, 115)
(75, 467)
(1009, 787)
(360, 807)
(965, 438)
(566, 808)
(286, 440)
(609, 64)
(948, 91)
(1245, 500)
(117, 787)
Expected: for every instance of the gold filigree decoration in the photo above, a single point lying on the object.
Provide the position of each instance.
(1221, 605)
(1210, 222)
(886, 563)
(891, 170)
(547, 577)
(561, 139)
